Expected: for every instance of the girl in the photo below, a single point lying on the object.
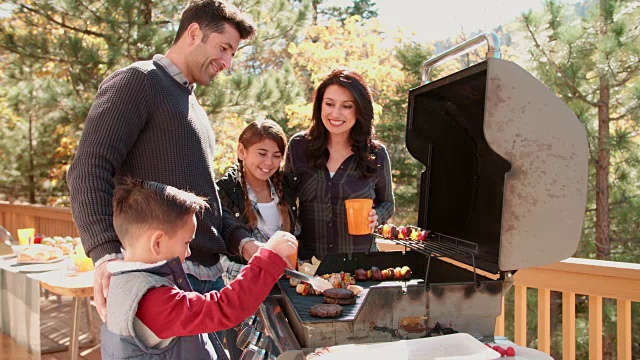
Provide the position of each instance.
(255, 190)
(338, 159)
(258, 195)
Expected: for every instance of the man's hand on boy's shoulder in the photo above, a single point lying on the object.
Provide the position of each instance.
(101, 281)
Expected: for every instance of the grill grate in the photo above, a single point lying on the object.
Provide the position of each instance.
(301, 304)
(440, 245)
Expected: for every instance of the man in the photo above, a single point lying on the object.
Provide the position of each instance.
(146, 123)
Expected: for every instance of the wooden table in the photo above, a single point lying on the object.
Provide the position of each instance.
(80, 287)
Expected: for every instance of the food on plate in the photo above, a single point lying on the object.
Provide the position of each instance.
(326, 310)
(509, 351)
(294, 282)
(39, 252)
(339, 296)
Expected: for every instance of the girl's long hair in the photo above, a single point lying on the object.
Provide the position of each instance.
(254, 133)
(362, 133)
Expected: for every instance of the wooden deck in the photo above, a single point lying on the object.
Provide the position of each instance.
(55, 325)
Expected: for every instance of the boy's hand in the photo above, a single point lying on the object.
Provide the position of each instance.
(283, 244)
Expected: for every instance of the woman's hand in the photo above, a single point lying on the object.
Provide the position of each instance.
(373, 220)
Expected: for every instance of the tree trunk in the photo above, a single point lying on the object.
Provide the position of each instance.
(31, 176)
(147, 12)
(603, 243)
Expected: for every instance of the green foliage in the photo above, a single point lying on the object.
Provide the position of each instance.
(365, 9)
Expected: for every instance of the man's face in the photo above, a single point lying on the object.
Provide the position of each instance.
(206, 59)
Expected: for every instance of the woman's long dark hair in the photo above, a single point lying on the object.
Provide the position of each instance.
(254, 133)
(362, 133)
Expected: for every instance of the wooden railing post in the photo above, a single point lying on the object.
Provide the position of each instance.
(544, 320)
(568, 325)
(499, 330)
(520, 318)
(595, 327)
(624, 329)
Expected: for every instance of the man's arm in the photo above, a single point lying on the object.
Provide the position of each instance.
(117, 116)
(113, 124)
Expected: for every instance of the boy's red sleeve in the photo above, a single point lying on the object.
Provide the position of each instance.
(168, 311)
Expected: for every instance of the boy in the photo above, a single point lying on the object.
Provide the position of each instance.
(151, 310)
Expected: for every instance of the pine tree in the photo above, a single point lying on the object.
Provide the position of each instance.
(55, 53)
(593, 62)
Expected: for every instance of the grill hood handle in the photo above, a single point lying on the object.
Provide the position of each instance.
(493, 50)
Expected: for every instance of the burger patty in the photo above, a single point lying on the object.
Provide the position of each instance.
(329, 300)
(338, 293)
(326, 310)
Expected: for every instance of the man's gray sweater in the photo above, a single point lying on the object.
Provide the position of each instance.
(146, 125)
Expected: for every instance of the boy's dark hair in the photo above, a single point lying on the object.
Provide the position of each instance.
(211, 15)
(142, 204)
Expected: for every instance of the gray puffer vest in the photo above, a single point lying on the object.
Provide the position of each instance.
(118, 337)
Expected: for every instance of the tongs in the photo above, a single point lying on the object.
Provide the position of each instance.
(318, 283)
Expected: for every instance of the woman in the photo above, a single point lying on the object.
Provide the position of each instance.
(336, 159)
(257, 194)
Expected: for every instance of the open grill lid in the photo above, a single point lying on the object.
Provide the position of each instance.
(506, 165)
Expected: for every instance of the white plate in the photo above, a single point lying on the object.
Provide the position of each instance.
(39, 261)
(7, 257)
(41, 267)
(450, 347)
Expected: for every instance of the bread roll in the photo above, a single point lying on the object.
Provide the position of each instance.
(55, 252)
(42, 255)
(27, 255)
(66, 250)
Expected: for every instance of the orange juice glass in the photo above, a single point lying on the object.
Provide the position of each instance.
(358, 215)
(294, 258)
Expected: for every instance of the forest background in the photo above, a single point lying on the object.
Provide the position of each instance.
(55, 53)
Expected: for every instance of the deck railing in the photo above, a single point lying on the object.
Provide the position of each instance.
(45, 219)
(595, 278)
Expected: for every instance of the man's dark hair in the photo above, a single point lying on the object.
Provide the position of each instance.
(211, 15)
(144, 204)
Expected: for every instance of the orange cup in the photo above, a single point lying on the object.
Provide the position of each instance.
(294, 258)
(358, 215)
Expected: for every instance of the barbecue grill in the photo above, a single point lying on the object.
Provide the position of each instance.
(504, 188)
